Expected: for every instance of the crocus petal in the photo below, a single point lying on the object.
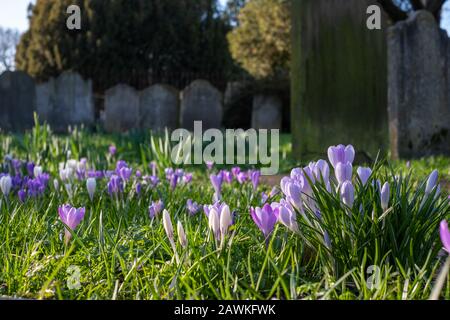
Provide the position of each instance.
(445, 235)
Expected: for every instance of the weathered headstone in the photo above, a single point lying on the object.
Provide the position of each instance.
(46, 101)
(121, 108)
(159, 108)
(338, 76)
(66, 101)
(419, 87)
(267, 112)
(17, 101)
(201, 102)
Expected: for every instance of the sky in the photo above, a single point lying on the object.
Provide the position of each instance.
(13, 14)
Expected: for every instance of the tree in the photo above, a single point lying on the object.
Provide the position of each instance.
(398, 10)
(232, 10)
(9, 39)
(261, 43)
(126, 41)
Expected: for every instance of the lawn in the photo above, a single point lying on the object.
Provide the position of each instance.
(318, 235)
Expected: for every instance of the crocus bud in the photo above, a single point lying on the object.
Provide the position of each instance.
(364, 174)
(255, 175)
(287, 216)
(214, 223)
(294, 195)
(341, 154)
(348, 193)
(5, 185)
(284, 185)
(225, 221)
(91, 184)
(56, 184)
(168, 225)
(384, 195)
(432, 181)
(322, 171)
(37, 171)
(216, 181)
(343, 172)
(181, 235)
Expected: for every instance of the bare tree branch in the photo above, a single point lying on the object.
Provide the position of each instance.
(417, 5)
(8, 42)
(393, 11)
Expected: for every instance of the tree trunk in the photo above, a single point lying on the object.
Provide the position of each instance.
(339, 78)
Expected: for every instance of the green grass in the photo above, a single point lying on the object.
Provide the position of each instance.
(121, 253)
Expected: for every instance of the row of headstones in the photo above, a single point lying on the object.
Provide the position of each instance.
(68, 101)
(161, 106)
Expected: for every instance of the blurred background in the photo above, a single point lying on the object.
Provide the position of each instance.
(310, 68)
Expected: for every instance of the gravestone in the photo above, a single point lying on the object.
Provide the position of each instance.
(238, 100)
(338, 78)
(159, 108)
(66, 101)
(201, 102)
(17, 101)
(419, 87)
(267, 112)
(121, 109)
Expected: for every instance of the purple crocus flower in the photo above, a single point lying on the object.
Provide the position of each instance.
(138, 189)
(125, 173)
(138, 174)
(173, 181)
(321, 171)
(169, 173)
(343, 172)
(187, 178)
(71, 217)
(445, 235)
(179, 173)
(241, 177)
(347, 193)
(364, 174)
(216, 181)
(155, 208)
(264, 198)
(432, 181)
(235, 171)
(227, 176)
(119, 165)
(217, 205)
(274, 192)
(22, 194)
(114, 185)
(112, 150)
(255, 178)
(17, 164)
(286, 215)
(192, 207)
(341, 154)
(264, 218)
(154, 181)
(384, 196)
(209, 165)
(30, 169)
